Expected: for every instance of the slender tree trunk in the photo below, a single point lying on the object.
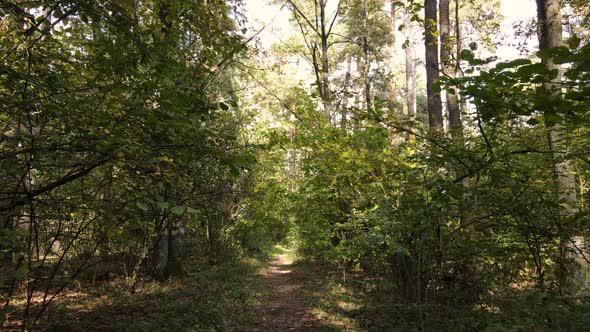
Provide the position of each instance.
(291, 151)
(361, 83)
(367, 80)
(391, 95)
(160, 251)
(572, 265)
(410, 72)
(462, 103)
(347, 79)
(175, 248)
(449, 67)
(435, 118)
(326, 94)
(364, 42)
(358, 102)
(167, 262)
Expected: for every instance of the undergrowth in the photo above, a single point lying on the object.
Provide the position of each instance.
(365, 303)
(210, 298)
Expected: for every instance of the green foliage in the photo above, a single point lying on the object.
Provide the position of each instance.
(124, 150)
(210, 298)
(517, 88)
(447, 221)
(113, 135)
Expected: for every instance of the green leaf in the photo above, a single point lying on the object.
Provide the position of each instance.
(532, 69)
(512, 64)
(163, 205)
(224, 106)
(234, 171)
(57, 12)
(178, 210)
(436, 87)
(574, 41)
(553, 52)
(118, 91)
(142, 206)
(551, 118)
(467, 55)
(21, 273)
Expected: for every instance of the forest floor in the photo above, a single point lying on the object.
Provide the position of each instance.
(274, 291)
(221, 297)
(284, 307)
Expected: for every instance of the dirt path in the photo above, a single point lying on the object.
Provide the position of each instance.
(284, 309)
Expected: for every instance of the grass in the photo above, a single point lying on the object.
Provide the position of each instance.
(367, 303)
(221, 297)
(230, 296)
(338, 307)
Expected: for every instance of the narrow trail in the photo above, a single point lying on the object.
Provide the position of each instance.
(284, 309)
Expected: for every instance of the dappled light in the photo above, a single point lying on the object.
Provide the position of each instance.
(294, 165)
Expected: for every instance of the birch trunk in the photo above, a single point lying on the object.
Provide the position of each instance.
(572, 263)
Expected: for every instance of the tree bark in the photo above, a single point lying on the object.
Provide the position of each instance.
(326, 94)
(366, 79)
(391, 95)
(358, 102)
(462, 102)
(160, 251)
(366, 62)
(572, 265)
(410, 72)
(435, 118)
(449, 67)
(347, 79)
(175, 248)
(361, 79)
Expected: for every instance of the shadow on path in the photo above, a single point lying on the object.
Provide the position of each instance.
(284, 308)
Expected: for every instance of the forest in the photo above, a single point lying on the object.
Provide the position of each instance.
(294, 165)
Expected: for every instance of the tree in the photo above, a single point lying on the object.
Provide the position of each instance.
(573, 264)
(393, 56)
(368, 31)
(115, 107)
(449, 68)
(435, 116)
(409, 62)
(316, 26)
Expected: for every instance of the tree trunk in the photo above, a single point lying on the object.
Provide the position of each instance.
(449, 67)
(361, 86)
(572, 265)
(391, 95)
(160, 251)
(462, 102)
(326, 94)
(358, 101)
(166, 252)
(366, 79)
(175, 248)
(410, 72)
(435, 118)
(347, 79)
